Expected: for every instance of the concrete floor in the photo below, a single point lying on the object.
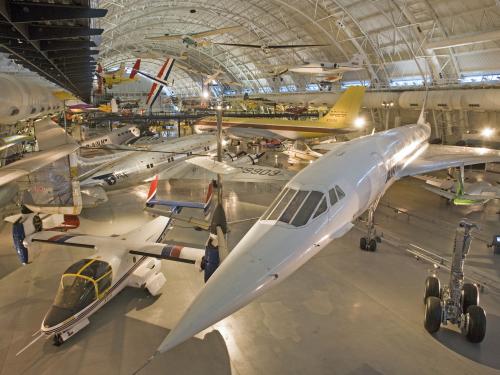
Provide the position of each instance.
(345, 312)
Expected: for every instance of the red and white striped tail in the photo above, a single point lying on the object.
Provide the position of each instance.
(156, 88)
(152, 189)
(210, 192)
(136, 67)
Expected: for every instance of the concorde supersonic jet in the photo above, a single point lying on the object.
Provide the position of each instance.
(314, 208)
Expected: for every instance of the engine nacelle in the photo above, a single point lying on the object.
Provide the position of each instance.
(28, 223)
(25, 225)
(211, 260)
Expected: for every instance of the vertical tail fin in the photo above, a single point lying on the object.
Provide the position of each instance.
(421, 118)
(208, 199)
(136, 67)
(346, 108)
(114, 105)
(121, 70)
(162, 77)
(153, 188)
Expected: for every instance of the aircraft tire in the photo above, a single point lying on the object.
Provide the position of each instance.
(433, 312)
(58, 341)
(432, 287)
(362, 243)
(372, 245)
(470, 296)
(476, 327)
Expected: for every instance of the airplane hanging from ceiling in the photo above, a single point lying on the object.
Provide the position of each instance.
(324, 71)
(195, 39)
(329, 72)
(266, 48)
(116, 77)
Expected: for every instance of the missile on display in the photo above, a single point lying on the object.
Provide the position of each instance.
(21, 98)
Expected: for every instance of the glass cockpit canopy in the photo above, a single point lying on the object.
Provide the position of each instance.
(82, 283)
(296, 207)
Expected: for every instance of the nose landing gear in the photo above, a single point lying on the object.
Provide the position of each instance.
(457, 302)
(370, 241)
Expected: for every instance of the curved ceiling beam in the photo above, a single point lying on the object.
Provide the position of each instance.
(354, 41)
(445, 33)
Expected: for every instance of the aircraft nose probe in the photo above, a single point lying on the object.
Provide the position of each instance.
(215, 252)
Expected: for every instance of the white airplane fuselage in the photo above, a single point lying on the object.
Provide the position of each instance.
(116, 137)
(126, 270)
(138, 166)
(363, 168)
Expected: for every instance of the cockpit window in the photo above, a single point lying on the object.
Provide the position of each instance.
(82, 283)
(280, 205)
(340, 192)
(336, 194)
(75, 293)
(95, 269)
(333, 196)
(307, 209)
(275, 202)
(321, 208)
(293, 206)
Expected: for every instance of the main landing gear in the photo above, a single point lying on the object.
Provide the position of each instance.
(457, 302)
(369, 242)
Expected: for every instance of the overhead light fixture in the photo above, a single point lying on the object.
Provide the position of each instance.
(487, 132)
(359, 122)
(205, 94)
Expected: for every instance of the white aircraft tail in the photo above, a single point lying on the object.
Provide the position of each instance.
(114, 106)
(421, 118)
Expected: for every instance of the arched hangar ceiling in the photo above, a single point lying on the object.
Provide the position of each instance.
(439, 40)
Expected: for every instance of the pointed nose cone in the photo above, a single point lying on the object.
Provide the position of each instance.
(237, 282)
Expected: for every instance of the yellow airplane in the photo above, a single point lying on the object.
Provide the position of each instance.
(340, 119)
(116, 77)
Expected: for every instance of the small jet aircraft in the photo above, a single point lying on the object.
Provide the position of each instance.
(300, 152)
(116, 77)
(329, 72)
(459, 192)
(195, 39)
(315, 207)
(132, 259)
(340, 119)
(116, 137)
(135, 167)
